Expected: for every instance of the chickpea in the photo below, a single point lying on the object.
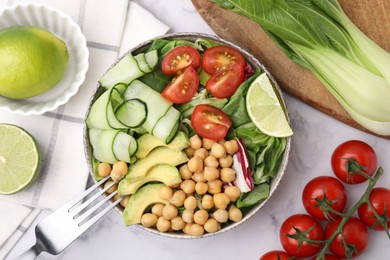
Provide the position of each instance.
(215, 186)
(169, 212)
(221, 215)
(226, 162)
(198, 177)
(211, 173)
(185, 173)
(191, 203)
(104, 169)
(218, 150)
(234, 213)
(189, 151)
(201, 216)
(177, 223)
(113, 187)
(231, 146)
(222, 141)
(201, 153)
(233, 192)
(211, 225)
(221, 200)
(119, 170)
(196, 230)
(195, 142)
(116, 197)
(188, 186)
(201, 188)
(207, 202)
(157, 209)
(149, 220)
(207, 143)
(165, 192)
(188, 216)
(163, 225)
(124, 201)
(227, 174)
(211, 161)
(178, 198)
(195, 164)
(186, 228)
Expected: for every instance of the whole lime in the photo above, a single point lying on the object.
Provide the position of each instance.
(32, 61)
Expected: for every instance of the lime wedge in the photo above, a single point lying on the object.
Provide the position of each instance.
(265, 110)
(19, 159)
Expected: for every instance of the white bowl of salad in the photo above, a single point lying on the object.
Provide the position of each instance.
(193, 132)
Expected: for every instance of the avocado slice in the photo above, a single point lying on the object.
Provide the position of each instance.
(140, 201)
(165, 173)
(159, 155)
(147, 142)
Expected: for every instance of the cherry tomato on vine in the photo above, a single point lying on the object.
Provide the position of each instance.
(179, 58)
(380, 200)
(221, 57)
(351, 157)
(182, 87)
(210, 122)
(276, 255)
(224, 83)
(321, 193)
(294, 229)
(329, 257)
(355, 235)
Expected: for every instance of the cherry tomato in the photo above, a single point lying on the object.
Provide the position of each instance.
(355, 235)
(303, 223)
(345, 157)
(380, 200)
(221, 57)
(179, 58)
(182, 87)
(276, 255)
(329, 257)
(210, 122)
(324, 190)
(224, 83)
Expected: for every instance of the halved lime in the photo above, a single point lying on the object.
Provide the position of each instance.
(265, 109)
(19, 158)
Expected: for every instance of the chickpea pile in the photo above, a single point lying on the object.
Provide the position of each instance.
(199, 203)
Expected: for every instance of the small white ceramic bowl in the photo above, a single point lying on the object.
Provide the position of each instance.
(67, 30)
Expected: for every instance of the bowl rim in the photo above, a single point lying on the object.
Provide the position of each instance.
(80, 51)
(254, 62)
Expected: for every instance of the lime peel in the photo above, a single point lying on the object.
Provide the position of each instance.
(265, 109)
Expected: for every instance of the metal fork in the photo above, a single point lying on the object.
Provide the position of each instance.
(63, 226)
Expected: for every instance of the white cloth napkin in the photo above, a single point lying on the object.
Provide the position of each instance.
(111, 27)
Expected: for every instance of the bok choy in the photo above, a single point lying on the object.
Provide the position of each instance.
(318, 35)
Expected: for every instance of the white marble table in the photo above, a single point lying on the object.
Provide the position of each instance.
(316, 135)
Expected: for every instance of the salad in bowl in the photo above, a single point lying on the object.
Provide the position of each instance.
(193, 131)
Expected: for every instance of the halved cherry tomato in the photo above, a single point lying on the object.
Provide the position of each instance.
(351, 157)
(180, 58)
(354, 235)
(308, 227)
(224, 83)
(182, 87)
(276, 255)
(326, 191)
(210, 122)
(380, 201)
(221, 57)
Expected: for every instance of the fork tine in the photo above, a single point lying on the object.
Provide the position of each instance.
(94, 208)
(98, 216)
(75, 211)
(81, 196)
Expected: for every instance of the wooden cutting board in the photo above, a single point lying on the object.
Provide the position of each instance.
(372, 17)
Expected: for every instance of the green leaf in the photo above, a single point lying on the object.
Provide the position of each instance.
(255, 196)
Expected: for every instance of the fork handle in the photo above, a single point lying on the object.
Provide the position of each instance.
(30, 254)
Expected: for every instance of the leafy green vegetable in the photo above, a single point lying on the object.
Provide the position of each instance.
(319, 36)
(256, 196)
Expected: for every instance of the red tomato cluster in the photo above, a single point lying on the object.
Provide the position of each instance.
(324, 198)
(226, 67)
